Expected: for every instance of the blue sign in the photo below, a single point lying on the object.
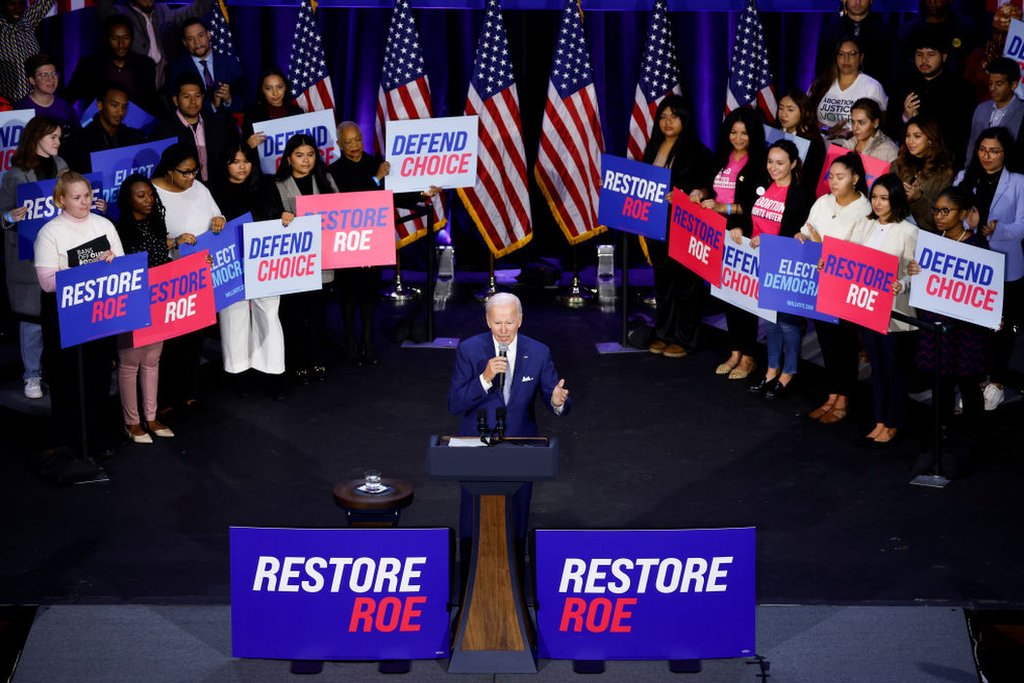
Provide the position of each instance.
(134, 117)
(101, 299)
(789, 277)
(326, 594)
(645, 594)
(634, 197)
(226, 251)
(119, 163)
(37, 198)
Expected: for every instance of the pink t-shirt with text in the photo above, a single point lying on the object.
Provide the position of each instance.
(767, 212)
(725, 181)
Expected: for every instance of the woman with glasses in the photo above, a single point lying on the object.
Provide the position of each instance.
(190, 211)
(999, 218)
(837, 88)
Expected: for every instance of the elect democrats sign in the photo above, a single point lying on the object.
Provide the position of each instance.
(425, 152)
(119, 163)
(645, 594)
(331, 594)
(225, 250)
(37, 198)
(789, 276)
(101, 299)
(318, 125)
(634, 196)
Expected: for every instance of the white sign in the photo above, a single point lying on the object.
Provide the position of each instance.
(802, 144)
(282, 259)
(740, 280)
(319, 125)
(958, 280)
(12, 123)
(425, 152)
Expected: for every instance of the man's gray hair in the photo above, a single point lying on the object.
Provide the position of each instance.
(504, 299)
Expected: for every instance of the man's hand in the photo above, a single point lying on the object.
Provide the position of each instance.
(911, 105)
(222, 95)
(493, 367)
(559, 395)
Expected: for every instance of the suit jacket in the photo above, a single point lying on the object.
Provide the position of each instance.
(93, 138)
(219, 135)
(166, 20)
(534, 375)
(225, 70)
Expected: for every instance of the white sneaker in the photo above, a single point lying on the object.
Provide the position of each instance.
(33, 388)
(993, 396)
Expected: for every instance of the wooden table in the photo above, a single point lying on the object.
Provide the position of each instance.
(373, 509)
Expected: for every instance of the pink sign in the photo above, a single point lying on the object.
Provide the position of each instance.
(358, 227)
(855, 283)
(180, 300)
(696, 237)
(872, 168)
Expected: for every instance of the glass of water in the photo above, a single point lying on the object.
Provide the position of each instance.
(372, 480)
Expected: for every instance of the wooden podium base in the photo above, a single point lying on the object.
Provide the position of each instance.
(494, 633)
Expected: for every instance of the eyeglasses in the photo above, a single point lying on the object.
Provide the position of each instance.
(849, 55)
(944, 211)
(990, 151)
(188, 172)
(47, 75)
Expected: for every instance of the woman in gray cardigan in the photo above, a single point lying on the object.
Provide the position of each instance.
(35, 160)
(304, 315)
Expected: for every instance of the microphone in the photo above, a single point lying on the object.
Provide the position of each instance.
(499, 379)
(499, 423)
(481, 424)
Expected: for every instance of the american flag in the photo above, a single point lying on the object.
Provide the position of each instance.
(405, 94)
(307, 70)
(568, 168)
(659, 76)
(750, 77)
(65, 6)
(220, 32)
(499, 203)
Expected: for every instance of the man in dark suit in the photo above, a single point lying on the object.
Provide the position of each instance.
(221, 76)
(209, 134)
(105, 131)
(527, 369)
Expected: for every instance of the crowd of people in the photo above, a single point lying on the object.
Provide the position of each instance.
(941, 108)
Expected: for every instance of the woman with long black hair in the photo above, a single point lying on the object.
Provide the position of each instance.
(740, 158)
(679, 292)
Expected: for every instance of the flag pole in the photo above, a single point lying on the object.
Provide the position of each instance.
(492, 285)
(399, 293)
(578, 295)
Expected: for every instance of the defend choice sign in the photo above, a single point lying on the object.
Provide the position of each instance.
(653, 594)
(739, 278)
(358, 227)
(339, 593)
(37, 198)
(633, 196)
(281, 259)
(100, 299)
(695, 237)
(12, 123)
(180, 299)
(225, 249)
(319, 125)
(854, 283)
(789, 276)
(958, 280)
(119, 163)
(425, 152)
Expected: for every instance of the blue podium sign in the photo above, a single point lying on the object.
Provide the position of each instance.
(329, 594)
(645, 594)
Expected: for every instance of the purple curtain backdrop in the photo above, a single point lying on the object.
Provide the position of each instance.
(354, 45)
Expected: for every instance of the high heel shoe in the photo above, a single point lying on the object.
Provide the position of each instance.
(741, 373)
(159, 429)
(779, 390)
(762, 388)
(137, 434)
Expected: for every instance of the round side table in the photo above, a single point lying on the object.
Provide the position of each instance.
(373, 509)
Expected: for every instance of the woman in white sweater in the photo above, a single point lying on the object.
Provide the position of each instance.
(838, 214)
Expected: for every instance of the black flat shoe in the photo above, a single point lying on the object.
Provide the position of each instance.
(779, 390)
(762, 388)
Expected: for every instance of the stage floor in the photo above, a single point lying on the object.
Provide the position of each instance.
(651, 442)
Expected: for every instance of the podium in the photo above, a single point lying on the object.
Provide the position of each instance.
(494, 633)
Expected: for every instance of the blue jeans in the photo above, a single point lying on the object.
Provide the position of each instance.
(784, 341)
(31, 339)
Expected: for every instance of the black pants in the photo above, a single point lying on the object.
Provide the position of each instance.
(304, 319)
(680, 294)
(840, 353)
(892, 357)
(1005, 338)
(79, 379)
(179, 369)
(742, 330)
(358, 289)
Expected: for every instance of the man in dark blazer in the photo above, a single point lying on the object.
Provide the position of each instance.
(209, 134)
(105, 131)
(221, 76)
(527, 368)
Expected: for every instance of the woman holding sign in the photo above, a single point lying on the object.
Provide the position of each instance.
(838, 214)
(740, 159)
(35, 159)
(925, 166)
(142, 228)
(679, 291)
(304, 315)
(999, 217)
(190, 211)
(888, 230)
(74, 238)
(251, 335)
(781, 209)
(795, 115)
(272, 102)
